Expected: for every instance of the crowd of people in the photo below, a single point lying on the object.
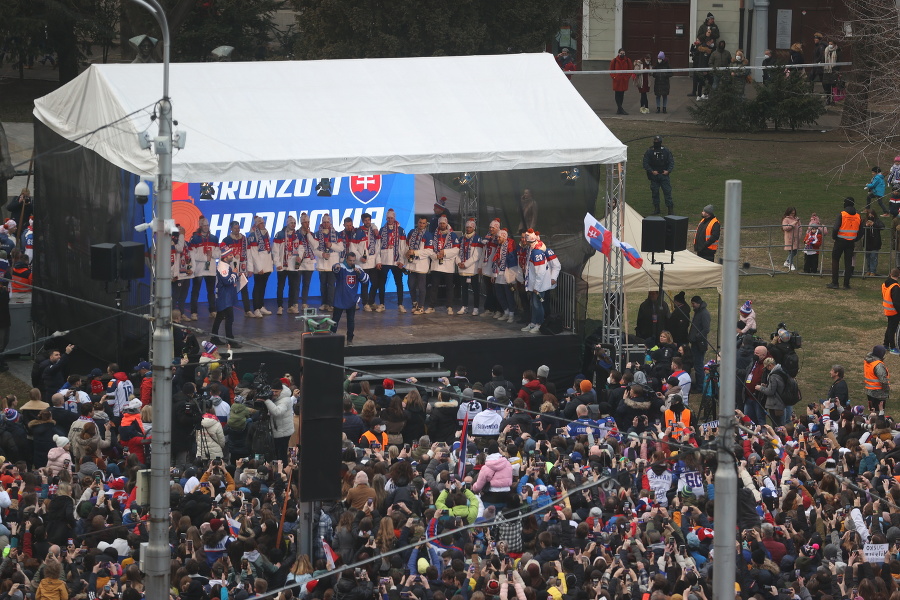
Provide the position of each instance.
(495, 275)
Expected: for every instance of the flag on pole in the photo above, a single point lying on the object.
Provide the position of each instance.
(631, 255)
(598, 236)
(463, 442)
(330, 555)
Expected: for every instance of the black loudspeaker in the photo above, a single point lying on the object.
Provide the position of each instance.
(676, 233)
(320, 460)
(103, 262)
(653, 234)
(321, 416)
(322, 387)
(131, 260)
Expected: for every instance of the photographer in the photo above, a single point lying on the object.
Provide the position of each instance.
(353, 585)
(281, 414)
(185, 417)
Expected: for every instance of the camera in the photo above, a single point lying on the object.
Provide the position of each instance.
(142, 192)
(794, 341)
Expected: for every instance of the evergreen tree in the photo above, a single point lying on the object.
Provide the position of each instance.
(785, 100)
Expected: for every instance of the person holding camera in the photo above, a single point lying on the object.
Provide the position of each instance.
(281, 415)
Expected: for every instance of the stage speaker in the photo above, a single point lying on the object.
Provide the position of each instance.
(676, 233)
(653, 234)
(103, 262)
(321, 416)
(322, 387)
(320, 460)
(131, 260)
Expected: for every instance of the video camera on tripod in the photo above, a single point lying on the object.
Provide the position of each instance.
(793, 339)
(260, 391)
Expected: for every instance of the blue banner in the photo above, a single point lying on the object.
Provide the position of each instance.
(275, 200)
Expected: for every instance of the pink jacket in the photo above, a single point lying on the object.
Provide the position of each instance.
(496, 473)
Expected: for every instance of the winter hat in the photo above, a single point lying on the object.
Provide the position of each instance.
(285, 381)
(543, 371)
(530, 236)
(468, 393)
(849, 201)
(879, 351)
(493, 589)
(831, 551)
(746, 309)
(215, 524)
(679, 297)
(858, 410)
(361, 478)
(499, 392)
(495, 222)
(696, 300)
(441, 202)
(134, 405)
(585, 385)
(443, 220)
(208, 347)
(709, 16)
(60, 440)
(422, 565)
(554, 593)
(388, 384)
(661, 55)
(11, 414)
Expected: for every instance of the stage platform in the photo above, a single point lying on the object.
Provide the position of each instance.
(476, 342)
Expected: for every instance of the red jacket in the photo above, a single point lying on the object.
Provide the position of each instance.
(147, 390)
(529, 388)
(620, 80)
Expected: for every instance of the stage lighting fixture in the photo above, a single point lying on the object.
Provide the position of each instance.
(464, 180)
(207, 191)
(323, 188)
(570, 176)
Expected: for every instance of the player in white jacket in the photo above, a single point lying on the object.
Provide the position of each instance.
(543, 269)
(307, 258)
(182, 273)
(286, 251)
(489, 246)
(204, 250)
(418, 254)
(366, 251)
(390, 258)
(443, 263)
(260, 262)
(328, 254)
(468, 264)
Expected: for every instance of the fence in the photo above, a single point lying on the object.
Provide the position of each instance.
(563, 301)
(763, 253)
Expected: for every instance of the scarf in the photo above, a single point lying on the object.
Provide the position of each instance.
(465, 246)
(500, 256)
(488, 242)
(304, 241)
(371, 238)
(523, 257)
(389, 241)
(442, 239)
(262, 239)
(830, 58)
(326, 239)
(415, 239)
(291, 245)
(205, 243)
(239, 258)
(346, 237)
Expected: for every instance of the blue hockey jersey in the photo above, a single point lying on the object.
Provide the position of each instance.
(346, 285)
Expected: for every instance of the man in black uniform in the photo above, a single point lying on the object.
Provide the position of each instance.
(659, 162)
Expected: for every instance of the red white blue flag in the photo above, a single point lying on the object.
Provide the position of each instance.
(631, 255)
(597, 235)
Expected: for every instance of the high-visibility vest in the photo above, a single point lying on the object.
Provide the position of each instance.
(370, 437)
(684, 418)
(889, 309)
(21, 280)
(849, 226)
(872, 382)
(709, 228)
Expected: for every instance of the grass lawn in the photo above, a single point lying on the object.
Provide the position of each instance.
(808, 170)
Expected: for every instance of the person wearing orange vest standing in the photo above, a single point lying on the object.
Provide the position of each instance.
(890, 301)
(845, 233)
(21, 277)
(877, 379)
(706, 239)
(375, 437)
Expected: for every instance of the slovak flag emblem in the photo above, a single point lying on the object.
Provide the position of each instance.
(351, 280)
(365, 187)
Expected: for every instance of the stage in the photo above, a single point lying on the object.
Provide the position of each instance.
(475, 342)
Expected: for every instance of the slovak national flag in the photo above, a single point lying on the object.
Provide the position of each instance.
(598, 236)
(631, 255)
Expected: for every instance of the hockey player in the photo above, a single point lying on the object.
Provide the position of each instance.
(287, 265)
(204, 249)
(469, 265)
(503, 276)
(327, 250)
(541, 275)
(390, 258)
(237, 243)
(419, 251)
(488, 247)
(307, 258)
(366, 251)
(182, 272)
(260, 262)
(443, 262)
(348, 278)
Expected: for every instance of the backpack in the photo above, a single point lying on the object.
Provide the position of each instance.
(791, 363)
(791, 393)
(200, 374)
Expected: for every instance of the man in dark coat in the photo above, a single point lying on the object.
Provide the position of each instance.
(652, 319)
(53, 371)
(658, 163)
(185, 416)
(679, 321)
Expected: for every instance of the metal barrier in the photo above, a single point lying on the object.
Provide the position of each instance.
(763, 253)
(562, 302)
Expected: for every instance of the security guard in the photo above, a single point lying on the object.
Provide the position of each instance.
(877, 379)
(659, 162)
(890, 301)
(706, 239)
(845, 232)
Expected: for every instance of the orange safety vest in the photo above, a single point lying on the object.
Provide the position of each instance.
(889, 309)
(872, 382)
(21, 280)
(685, 419)
(709, 228)
(849, 226)
(370, 437)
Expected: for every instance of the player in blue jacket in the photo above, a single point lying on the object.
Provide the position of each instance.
(347, 281)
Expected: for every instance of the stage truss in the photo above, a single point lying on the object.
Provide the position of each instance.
(614, 333)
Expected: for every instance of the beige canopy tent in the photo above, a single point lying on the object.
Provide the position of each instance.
(689, 271)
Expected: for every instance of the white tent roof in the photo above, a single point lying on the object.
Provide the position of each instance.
(689, 271)
(304, 119)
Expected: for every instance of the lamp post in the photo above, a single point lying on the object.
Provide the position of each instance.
(157, 559)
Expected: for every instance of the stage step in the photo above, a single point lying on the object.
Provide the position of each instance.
(363, 362)
(401, 376)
